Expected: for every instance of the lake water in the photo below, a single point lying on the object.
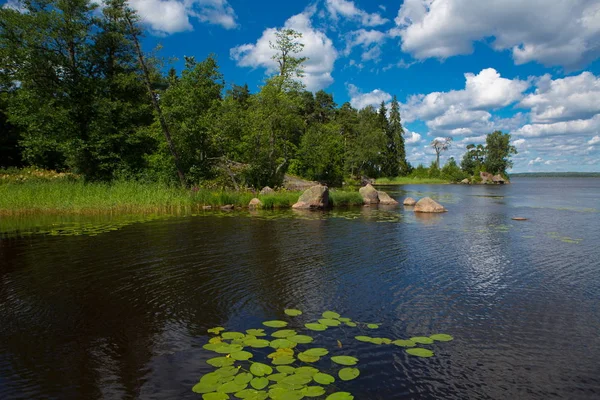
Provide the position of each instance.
(124, 314)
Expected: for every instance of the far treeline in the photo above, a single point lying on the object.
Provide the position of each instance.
(77, 94)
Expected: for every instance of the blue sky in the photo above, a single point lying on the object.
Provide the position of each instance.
(460, 68)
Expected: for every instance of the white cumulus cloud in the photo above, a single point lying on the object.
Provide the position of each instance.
(594, 140)
(348, 9)
(553, 32)
(370, 42)
(317, 47)
(361, 100)
(569, 128)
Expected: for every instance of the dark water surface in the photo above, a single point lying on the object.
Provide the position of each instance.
(124, 314)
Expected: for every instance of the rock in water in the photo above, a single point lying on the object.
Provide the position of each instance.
(369, 194)
(409, 201)
(255, 203)
(385, 198)
(428, 205)
(486, 177)
(498, 179)
(314, 198)
(266, 190)
(465, 181)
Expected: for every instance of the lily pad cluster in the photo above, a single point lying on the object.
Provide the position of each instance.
(279, 364)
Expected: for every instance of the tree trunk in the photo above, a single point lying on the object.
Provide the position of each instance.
(161, 119)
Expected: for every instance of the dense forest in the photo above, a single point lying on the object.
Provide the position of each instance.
(77, 94)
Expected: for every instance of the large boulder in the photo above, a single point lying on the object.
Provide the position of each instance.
(409, 201)
(295, 183)
(266, 190)
(369, 194)
(314, 198)
(498, 179)
(385, 198)
(465, 181)
(254, 204)
(486, 177)
(428, 205)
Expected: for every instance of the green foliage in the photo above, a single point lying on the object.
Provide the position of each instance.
(452, 172)
(498, 152)
(321, 154)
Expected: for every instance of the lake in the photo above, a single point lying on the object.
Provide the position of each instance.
(124, 313)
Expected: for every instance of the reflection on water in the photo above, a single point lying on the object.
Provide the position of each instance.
(124, 314)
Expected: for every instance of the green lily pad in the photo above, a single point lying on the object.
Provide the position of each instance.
(275, 324)
(317, 351)
(285, 360)
(220, 361)
(215, 396)
(420, 352)
(373, 326)
(330, 315)
(351, 324)
(259, 383)
(313, 391)
(252, 394)
(293, 312)
(344, 319)
(315, 327)
(205, 387)
(282, 344)
(310, 371)
(300, 339)
(441, 337)
(329, 322)
(276, 377)
(340, 396)
(347, 374)
(258, 343)
(323, 378)
(227, 371)
(281, 393)
(364, 339)
(216, 330)
(232, 335)
(286, 369)
(404, 343)
(308, 358)
(225, 348)
(284, 333)
(260, 369)
(243, 378)
(422, 339)
(242, 355)
(282, 352)
(344, 360)
(231, 387)
(256, 332)
(296, 379)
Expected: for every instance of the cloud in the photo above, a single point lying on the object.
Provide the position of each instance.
(348, 9)
(594, 140)
(361, 100)
(538, 160)
(445, 28)
(369, 40)
(317, 47)
(172, 16)
(569, 128)
(412, 138)
(574, 97)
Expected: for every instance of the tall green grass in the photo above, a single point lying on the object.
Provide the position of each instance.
(408, 180)
(340, 198)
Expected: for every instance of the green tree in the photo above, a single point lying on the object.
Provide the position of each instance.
(396, 163)
(498, 151)
(321, 154)
(439, 145)
(473, 159)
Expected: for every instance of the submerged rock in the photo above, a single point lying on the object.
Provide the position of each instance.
(314, 198)
(385, 198)
(266, 190)
(255, 203)
(409, 201)
(428, 205)
(369, 194)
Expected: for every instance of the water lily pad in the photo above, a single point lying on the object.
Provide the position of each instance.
(313, 391)
(315, 327)
(351, 324)
(286, 369)
(308, 358)
(225, 348)
(344, 319)
(241, 355)
(340, 396)
(296, 379)
(220, 361)
(422, 339)
(317, 351)
(329, 322)
(260, 369)
(282, 344)
(227, 371)
(404, 343)
(215, 396)
(215, 340)
(323, 379)
(293, 312)
(259, 383)
(216, 330)
(205, 387)
(281, 393)
(282, 352)
(231, 387)
(243, 378)
(330, 315)
(373, 326)
(300, 339)
(232, 335)
(252, 394)
(366, 339)
(347, 374)
(420, 352)
(285, 360)
(256, 332)
(344, 360)
(441, 337)
(275, 324)
(284, 333)
(258, 343)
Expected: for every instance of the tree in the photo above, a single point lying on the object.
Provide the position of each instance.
(473, 159)
(439, 145)
(498, 152)
(396, 152)
(287, 46)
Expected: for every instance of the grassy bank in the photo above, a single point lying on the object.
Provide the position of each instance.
(407, 180)
(76, 197)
